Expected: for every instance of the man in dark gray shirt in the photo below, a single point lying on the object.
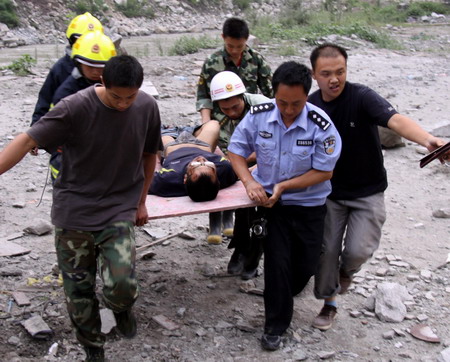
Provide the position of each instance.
(110, 136)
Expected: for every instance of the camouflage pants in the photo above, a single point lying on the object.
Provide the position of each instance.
(111, 250)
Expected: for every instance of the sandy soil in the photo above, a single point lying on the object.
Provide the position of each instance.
(184, 281)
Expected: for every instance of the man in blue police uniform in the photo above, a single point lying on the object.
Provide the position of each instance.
(296, 147)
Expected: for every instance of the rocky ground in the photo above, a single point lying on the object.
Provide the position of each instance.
(189, 310)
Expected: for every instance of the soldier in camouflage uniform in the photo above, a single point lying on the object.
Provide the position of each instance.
(238, 58)
(228, 94)
(100, 194)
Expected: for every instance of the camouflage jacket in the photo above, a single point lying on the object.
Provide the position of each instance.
(227, 125)
(254, 72)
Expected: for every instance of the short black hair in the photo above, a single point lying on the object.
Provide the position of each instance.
(292, 73)
(235, 28)
(327, 50)
(204, 188)
(123, 71)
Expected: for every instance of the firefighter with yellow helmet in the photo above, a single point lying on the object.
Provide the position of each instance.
(64, 66)
(82, 24)
(90, 53)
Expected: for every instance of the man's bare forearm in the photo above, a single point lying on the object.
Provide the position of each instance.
(15, 151)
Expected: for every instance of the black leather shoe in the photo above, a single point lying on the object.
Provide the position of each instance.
(236, 263)
(126, 323)
(270, 342)
(249, 274)
(94, 354)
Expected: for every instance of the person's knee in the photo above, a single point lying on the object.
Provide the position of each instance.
(208, 128)
(211, 126)
(353, 261)
(361, 253)
(122, 294)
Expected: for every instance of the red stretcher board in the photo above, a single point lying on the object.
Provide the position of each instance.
(233, 197)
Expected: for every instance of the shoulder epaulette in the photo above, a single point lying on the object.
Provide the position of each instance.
(263, 107)
(319, 120)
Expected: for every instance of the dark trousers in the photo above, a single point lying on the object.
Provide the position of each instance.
(250, 248)
(291, 257)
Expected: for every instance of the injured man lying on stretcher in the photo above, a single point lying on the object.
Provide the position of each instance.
(189, 165)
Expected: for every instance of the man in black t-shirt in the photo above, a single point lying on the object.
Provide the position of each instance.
(355, 207)
(189, 166)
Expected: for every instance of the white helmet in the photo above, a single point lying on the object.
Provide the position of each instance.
(225, 85)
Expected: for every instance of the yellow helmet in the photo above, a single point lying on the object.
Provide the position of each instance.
(94, 49)
(82, 24)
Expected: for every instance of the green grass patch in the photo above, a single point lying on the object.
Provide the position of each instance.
(393, 14)
(95, 7)
(22, 66)
(8, 14)
(136, 8)
(422, 37)
(189, 45)
(426, 8)
(287, 50)
(242, 4)
(340, 17)
(320, 26)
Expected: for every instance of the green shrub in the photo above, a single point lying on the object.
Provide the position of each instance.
(242, 4)
(269, 31)
(189, 45)
(386, 14)
(8, 14)
(312, 33)
(22, 66)
(393, 14)
(287, 50)
(364, 20)
(203, 3)
(95, 7)
(368, 33)
(135, 8)
(294, 13)
(417, 9)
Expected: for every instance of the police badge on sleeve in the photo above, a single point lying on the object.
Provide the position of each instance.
(330, 145)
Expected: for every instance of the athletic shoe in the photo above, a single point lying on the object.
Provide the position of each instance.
(270, 342)
(324, 319)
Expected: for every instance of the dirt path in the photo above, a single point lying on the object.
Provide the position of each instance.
(218, 322)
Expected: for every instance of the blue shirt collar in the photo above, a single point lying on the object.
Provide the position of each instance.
(301, 120)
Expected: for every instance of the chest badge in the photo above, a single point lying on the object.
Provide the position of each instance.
(265, 134)
(304, 142)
